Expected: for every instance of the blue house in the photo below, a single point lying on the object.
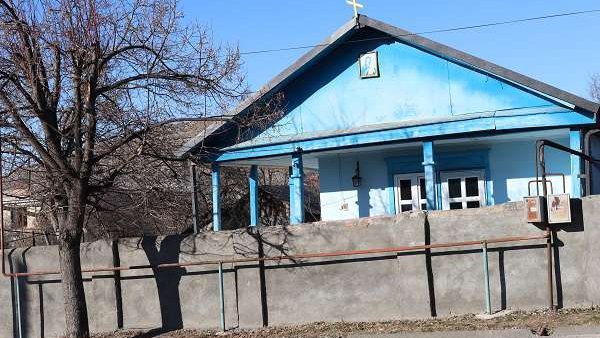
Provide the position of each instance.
(395, 122)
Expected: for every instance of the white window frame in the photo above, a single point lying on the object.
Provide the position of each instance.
(462, 175)
(415, 192)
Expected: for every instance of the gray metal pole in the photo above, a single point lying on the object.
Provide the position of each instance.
(221, 296)
(486, 278)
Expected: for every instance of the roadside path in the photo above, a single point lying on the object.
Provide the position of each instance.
(561, 332)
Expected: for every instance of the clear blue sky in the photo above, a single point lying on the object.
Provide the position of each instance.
(563, 52)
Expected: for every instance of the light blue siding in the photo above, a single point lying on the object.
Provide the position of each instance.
(413, 85)
(508, 165)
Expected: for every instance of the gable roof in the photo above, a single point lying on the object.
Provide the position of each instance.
(417, 41)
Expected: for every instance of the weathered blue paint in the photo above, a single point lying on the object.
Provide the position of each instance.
(297, 190)
(390, 192)
(216, 198)
(575, 144)
(414, 84)
(512, 166)
(254, 207)
(430, 173)
(446, 129)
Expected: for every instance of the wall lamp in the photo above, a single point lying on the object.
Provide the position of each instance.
(356, 179)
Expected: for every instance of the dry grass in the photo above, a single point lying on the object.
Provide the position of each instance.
(516, 320)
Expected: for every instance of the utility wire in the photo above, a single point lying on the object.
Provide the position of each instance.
(444, 30)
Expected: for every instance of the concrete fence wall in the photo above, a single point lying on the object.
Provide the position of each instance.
(419, 284)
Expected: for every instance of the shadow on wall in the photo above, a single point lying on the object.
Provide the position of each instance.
(19, 292)
(167, 279)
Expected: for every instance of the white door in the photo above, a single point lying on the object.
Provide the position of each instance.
(463, 189)
(409, 192)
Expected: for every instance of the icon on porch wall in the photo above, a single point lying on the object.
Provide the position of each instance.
(368, 65)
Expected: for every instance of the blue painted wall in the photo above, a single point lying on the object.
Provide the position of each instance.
(511, 165)
(413, 85)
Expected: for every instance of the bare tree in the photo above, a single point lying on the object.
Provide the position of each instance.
(595, 87)
(85, 85)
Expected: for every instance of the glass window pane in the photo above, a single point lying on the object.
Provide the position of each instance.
(405, 190)
(472, 185)
(423, 206)
(406, 207)
(455, 205)
(473, 204)
(422, 187)
(454, 187)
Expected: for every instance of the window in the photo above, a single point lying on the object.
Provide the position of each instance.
(18, 217)
(409, 192)
(463, 189)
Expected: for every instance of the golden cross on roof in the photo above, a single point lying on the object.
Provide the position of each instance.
(356, 5)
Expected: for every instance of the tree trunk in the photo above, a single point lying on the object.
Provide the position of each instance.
(76, 317)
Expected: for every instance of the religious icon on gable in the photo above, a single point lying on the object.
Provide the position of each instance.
(368, 65)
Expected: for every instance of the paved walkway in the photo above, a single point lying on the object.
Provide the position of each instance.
(564, 332)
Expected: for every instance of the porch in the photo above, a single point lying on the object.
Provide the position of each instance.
(466, 171)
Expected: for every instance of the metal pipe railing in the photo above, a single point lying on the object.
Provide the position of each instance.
(486, 279)
(540, 163)
(297, 256)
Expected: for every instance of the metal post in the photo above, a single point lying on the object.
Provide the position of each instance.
(297, 189)
(486, 280)
(549, 269)
(429, 171)
(221, 296)
(216, 196)
(18, 307)
(254, 207)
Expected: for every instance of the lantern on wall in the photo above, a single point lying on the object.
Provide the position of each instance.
(356, 179)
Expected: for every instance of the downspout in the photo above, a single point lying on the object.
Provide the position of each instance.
(549, 269)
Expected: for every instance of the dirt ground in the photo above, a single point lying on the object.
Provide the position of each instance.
(538, 321)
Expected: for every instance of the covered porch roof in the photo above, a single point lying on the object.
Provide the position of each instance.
(487, 123)
(311, 159)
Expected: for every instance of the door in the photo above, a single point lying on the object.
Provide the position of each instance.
(463, 189)
(409, 192)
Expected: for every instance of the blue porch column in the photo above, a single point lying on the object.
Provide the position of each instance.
(575, 144)
(297, 190)
(429, 171)
(254, 207)
(216, 196)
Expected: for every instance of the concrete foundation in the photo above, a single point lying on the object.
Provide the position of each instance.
(438, 282)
